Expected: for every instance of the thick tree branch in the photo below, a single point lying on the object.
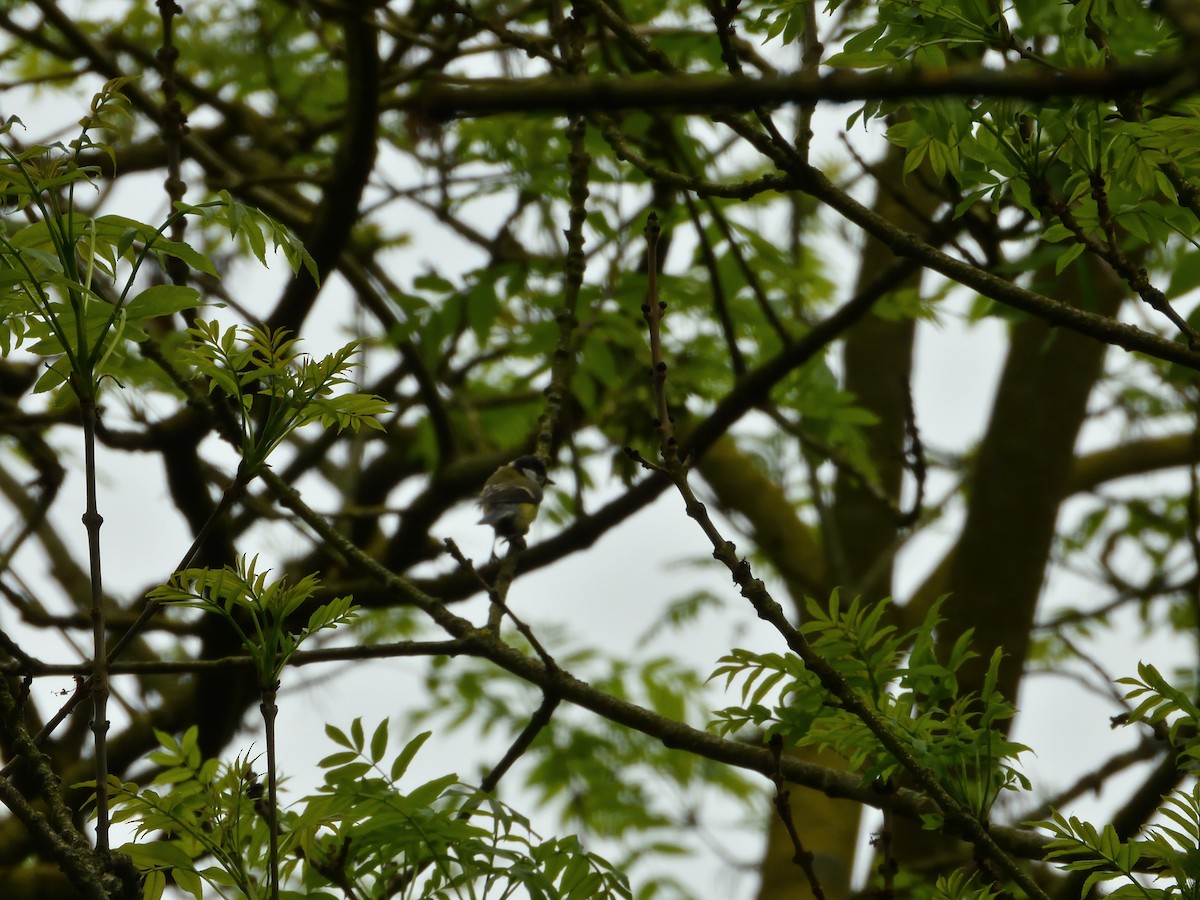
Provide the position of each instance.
(440, 101)
(1091, 470)
(349, 170)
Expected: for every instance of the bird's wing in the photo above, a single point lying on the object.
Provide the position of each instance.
(509, 494)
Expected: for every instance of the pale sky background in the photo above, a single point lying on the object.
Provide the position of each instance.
(613, 591)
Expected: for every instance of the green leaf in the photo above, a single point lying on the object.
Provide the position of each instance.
(187, 880)
(185, 252)
(54, 376)
(1185, 275)
(379, 741)
(1067, 257)
(161, 300)
(338, 736)
(154, 885)
(858, 60)
(338, 759)
(405, 756)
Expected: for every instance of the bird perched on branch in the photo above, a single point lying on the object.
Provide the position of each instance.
(510, 499)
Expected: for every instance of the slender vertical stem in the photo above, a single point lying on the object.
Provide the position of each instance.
(174, 126)
(810, 60)
(92, 520)
(269, 712)
(652, 312)
(231, 496)
(571, 34)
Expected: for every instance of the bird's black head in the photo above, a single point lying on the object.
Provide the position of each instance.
(533, 467)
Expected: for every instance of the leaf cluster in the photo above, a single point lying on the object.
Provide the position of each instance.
(959, 738)
(198, 821)
(202, 823)
(68, 280)
(1166, 708)
(1169, 850)
(71, 285)
(274, 388)
(1085, 174)
(258, 610)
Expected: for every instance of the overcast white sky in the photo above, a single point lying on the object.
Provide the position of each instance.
(611, 593)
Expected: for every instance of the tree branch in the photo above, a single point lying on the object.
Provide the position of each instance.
(701, 94)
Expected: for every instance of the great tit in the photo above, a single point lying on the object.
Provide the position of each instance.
(511, 496)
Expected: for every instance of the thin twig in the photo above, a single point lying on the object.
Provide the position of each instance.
(783, 808)
(1093, 782)
(82, 690)
(173, 128)
(498, 590)
(914, 456)
(883, 841)
(652, 311)
(31, 666)
(499, 607)
(769, 610)
(564, 361)
(270, 712)
(538, 721)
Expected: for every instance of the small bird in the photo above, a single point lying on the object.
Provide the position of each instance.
(510, 499)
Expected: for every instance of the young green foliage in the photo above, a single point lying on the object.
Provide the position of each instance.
(201, 823)
(274, 388)
(1163, 705)
(1170, 850)
(903, 683)
(253, 227)
(68, 280)
(440, 839)
(958, 885)
(256, 609)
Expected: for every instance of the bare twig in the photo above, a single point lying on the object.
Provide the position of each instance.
(270, 712)
(498, 590)
(563, 363)
(499, 607)
(769, 610)
(652, 312)
(1093, 781)
(914, 457)
(783, 808)
(83, 689)
(883, 842)
(173, 128)
(32, 666)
